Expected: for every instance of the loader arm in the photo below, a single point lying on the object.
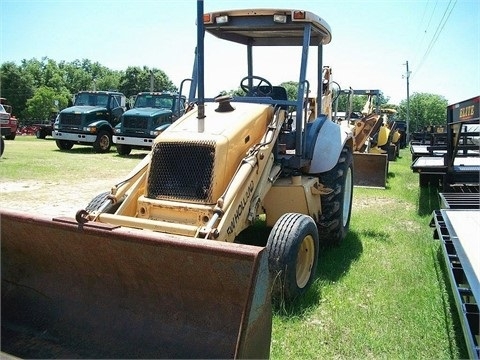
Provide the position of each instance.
(237, 207)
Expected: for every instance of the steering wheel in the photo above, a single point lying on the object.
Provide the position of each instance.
(255, 89)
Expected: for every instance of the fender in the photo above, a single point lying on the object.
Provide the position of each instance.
(326, 146)
(101, 124)
(162, 128)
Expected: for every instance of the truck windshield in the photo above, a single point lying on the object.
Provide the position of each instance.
(91, 99)
(156, 101)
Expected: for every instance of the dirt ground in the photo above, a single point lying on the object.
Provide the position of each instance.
(49, 198)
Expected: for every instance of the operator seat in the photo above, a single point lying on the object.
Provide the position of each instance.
(278, 93)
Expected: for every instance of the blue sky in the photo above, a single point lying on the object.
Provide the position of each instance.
(371, 41)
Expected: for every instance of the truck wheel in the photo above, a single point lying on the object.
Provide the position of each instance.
(123, 149)
(11, 136)
(64, 144)
(292, 255)
(99, 200)
(40, 134)
(334, 221)
(103, 142)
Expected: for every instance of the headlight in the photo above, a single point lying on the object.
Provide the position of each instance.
(117, 130)
(155, 132)
(90, 129)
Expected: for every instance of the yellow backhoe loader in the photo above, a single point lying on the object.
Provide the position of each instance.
(164, 265)
(371, 137)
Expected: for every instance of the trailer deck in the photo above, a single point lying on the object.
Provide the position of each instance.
(418, 150)
(457, 161)
(457, 226)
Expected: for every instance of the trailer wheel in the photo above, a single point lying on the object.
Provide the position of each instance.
(123, 149)
(103, 142)
(41, 134)
(334, 221)
(64, 144)
(292, 255)
(97, 202)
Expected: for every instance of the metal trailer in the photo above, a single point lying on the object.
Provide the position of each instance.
(455, 164)
(457, 225)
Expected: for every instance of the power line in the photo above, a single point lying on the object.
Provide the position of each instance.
(437, 33)
(424, 31)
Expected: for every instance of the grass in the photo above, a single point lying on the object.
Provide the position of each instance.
(381, 294)
(29, 158)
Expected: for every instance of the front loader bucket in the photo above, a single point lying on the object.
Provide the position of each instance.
(97, 291)
(370, 169)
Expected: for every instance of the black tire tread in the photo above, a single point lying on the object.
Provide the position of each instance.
(330, 223)
(281, 257)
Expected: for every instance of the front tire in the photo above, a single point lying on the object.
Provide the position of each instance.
(334, 221)
(103, 142)
(64, 144)
(11, 136)
(292, 248)
(123, 149)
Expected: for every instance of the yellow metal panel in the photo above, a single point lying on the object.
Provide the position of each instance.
(297, 194)
(233, 132)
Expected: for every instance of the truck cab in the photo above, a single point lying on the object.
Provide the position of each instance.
(90, 121)
(8, 122)
(151, 114)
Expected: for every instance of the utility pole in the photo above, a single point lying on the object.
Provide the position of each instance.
(151, 81)
(408, 102)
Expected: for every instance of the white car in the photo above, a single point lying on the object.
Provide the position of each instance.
(4, 115)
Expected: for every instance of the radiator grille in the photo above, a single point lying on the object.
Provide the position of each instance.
(182, 170)
(71, 119)
(135, 122)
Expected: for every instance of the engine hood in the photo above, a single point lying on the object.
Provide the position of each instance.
(147, 111)
(82, 109)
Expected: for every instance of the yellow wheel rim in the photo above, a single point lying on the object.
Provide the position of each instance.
(305, 260)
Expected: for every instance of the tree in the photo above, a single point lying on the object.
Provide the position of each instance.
(424, 110)
(54, 81)
(138, 79)
(45, 102)
(16, 86)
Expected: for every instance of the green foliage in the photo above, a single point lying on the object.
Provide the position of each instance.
(291, 87)
(358, 102)
(425, 110)
(46, 102)
(16, 86)
(138, 79)
(19, 84)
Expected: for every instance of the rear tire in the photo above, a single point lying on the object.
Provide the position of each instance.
(64, 144)
(41, 134)
(123, 149)
(292, 255)
(334, 221)
(103, 142)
